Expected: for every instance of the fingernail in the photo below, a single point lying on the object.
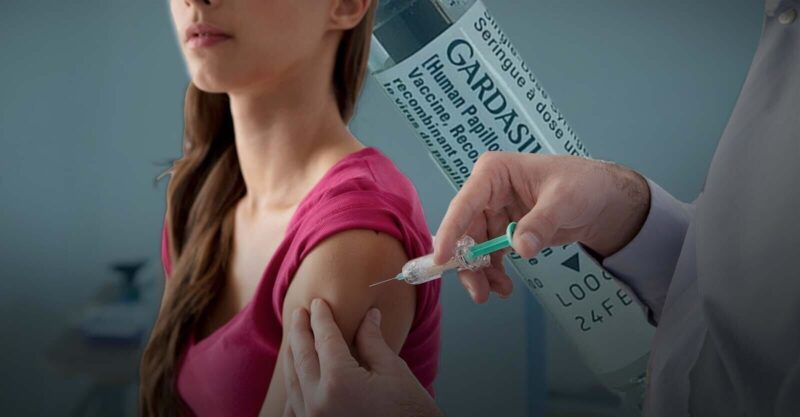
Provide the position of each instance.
(469, 290)
(315, 303)
(533, 243)
(471, 293)
(374, 315)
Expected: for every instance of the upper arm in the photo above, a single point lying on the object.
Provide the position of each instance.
(339, 270)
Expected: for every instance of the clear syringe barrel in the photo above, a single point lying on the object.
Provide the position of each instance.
(424, 269)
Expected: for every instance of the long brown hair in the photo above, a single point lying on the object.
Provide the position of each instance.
(205, 185)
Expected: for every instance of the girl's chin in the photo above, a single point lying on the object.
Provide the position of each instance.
(210, 81)
(211, 85)
(209, 89)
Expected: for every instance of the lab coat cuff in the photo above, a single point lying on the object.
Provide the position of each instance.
(646, 264)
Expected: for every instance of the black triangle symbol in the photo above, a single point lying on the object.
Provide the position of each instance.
(573, 263)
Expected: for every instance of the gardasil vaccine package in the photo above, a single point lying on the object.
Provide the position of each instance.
(459, 82)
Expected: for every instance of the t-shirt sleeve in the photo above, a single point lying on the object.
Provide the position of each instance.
(357, 210)
(362, 209)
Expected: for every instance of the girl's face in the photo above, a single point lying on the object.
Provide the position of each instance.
(231, 45)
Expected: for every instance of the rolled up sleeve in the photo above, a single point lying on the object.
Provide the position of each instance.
(646, 265)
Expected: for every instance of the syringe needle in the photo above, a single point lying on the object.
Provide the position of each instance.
(383, 282)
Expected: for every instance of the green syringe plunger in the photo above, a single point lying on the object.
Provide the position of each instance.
(494, 245)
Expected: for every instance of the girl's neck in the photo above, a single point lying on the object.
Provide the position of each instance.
(286, 139)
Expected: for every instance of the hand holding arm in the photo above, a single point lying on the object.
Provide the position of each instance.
(324, 379)
(329, 273)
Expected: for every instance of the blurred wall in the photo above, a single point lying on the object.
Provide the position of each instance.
(91, 111)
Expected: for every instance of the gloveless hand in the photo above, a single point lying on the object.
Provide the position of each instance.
(555, 200)
(324, 379)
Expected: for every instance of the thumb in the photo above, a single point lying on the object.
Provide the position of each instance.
(372, 348)
(536, 230)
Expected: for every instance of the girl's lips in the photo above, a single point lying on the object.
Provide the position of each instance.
(203, 35)
(204, 41)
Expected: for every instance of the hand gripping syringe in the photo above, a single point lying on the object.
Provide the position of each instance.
(468, 255)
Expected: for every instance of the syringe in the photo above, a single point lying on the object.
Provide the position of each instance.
(468, 255)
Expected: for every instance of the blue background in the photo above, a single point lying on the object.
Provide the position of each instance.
(92, 95)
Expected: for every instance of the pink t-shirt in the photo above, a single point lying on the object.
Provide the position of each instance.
(228, 372)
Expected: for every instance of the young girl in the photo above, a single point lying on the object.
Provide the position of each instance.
(275, 203)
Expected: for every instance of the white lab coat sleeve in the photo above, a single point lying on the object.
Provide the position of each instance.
(647, 263)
